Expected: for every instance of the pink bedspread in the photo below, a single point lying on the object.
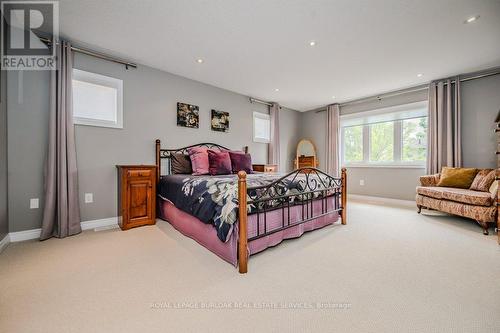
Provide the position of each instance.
(206, 235)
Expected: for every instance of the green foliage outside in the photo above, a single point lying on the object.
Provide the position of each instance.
(382, 142)
(414, 140)
(413, 145)
(353, 144)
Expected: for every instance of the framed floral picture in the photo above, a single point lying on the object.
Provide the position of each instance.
(188, 115)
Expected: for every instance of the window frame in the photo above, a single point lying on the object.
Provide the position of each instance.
(263, 116)
(397, 143)
(106, 81)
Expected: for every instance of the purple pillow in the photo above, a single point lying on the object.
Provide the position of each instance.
(199, 160)
(219, 162)
(241, 161)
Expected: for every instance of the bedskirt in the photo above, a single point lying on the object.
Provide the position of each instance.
(206, 234)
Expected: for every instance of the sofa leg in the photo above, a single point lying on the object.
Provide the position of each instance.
(419, 209)
(484, 225)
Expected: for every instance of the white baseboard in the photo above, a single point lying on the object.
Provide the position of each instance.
(381, 201)
(4, 242)
(24, 235)
(101, 223)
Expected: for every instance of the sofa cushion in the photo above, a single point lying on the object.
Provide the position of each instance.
(457, 177)
(483, 180)
(431, 191)
(458, 195)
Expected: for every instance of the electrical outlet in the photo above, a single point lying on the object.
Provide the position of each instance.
(361, 182)
(34, 203)
(89, 197)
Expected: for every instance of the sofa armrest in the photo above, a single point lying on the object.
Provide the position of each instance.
(430, 180)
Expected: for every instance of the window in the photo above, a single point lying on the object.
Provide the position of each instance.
(395, 136)
(353, 143)
(382, 142)
(261, 127)
(97, 100)
(414, 140)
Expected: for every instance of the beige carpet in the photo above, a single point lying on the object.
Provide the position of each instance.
(388, 270)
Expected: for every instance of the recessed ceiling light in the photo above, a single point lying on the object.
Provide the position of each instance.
(276, 89)
(199, 60)
(420, 75)
(312, 43)
(333, 97)
(471, 19)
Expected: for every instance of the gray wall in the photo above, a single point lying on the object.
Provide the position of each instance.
(150, 98)
(4, 225)
(480, 106)
(290, 134)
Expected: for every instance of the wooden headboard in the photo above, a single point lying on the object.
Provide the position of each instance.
(167, 154)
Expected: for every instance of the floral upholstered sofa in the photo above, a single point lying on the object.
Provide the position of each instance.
(477, 202)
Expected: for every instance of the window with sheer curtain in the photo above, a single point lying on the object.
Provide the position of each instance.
(395, 136)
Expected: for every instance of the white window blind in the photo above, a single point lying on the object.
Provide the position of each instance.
(261, 127)
(97, 100)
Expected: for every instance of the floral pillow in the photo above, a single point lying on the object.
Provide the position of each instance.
(483, 180)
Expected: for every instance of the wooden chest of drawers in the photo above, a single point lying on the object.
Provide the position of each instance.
(136, 195)
(270, 168)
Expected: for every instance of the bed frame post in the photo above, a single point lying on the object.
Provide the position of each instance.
(158, 161)
(344, 195)
(242, 204)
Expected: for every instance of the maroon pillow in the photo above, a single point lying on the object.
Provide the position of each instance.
(219, 162)
(241, 161)
(199, 160)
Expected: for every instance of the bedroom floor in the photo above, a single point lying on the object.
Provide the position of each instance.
(388, 270)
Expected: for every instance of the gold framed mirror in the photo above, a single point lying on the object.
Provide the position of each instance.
(306, 156)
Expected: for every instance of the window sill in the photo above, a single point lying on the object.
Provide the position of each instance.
(395, 166)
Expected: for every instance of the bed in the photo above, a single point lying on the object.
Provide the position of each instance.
(239, 215)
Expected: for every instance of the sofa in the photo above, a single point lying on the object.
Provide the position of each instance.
(479, 205)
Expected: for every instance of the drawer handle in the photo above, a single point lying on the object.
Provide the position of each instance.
(139, 173)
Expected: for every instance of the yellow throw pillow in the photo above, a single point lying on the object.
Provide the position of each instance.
(457, 177)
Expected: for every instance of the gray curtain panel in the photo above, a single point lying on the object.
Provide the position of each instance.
(333, 139)
(273, 152)
(444, 147)
(61, 214)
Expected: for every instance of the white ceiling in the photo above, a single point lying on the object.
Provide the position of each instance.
(364, 47)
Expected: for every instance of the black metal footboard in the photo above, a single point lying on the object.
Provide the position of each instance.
(302, 188)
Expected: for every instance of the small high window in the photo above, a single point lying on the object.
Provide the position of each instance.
(97, 100)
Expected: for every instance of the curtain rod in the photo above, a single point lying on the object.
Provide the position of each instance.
(95, 54)
(409, 90)
(255, 100)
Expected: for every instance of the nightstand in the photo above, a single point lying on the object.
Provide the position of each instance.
(268, 168)
(136, 195)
